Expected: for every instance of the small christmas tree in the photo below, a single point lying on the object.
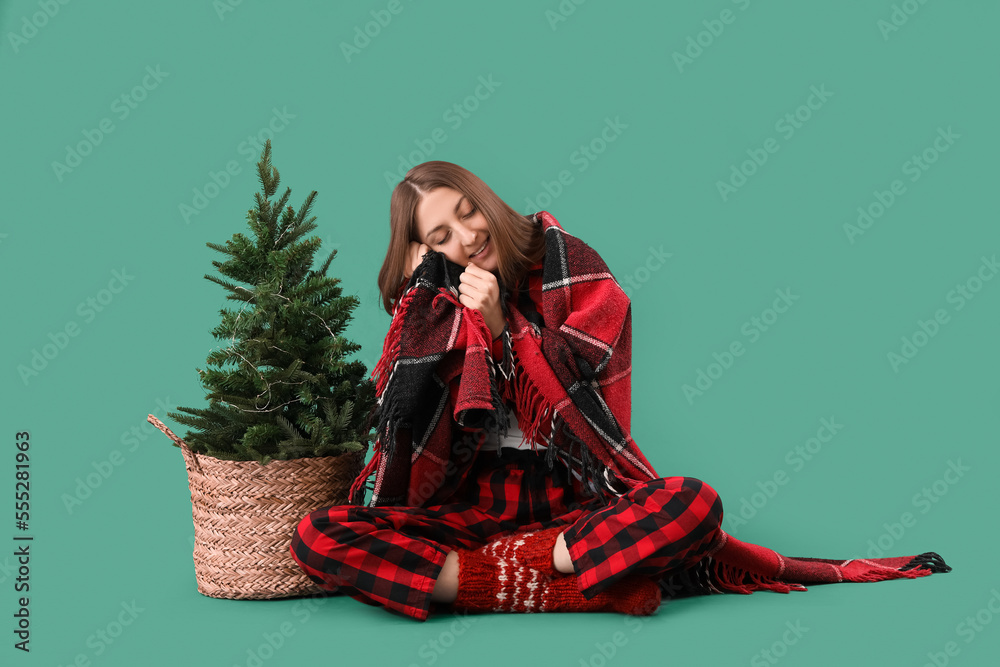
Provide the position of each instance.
(289, 393)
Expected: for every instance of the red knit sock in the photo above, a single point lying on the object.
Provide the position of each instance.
(499, 577)
(532, 549)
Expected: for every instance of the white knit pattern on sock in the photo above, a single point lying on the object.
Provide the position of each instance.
(527, 589)
(536, 577)
(501, 576)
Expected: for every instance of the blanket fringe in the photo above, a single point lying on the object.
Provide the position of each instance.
(356, 496)
(529, 404)
(734, 579)
(550, 452)
(381, 375)
(386, 414)
(496, 392)
(390, 348)
(930, 560)
(885, 575)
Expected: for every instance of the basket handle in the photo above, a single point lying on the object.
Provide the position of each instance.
(190, 456)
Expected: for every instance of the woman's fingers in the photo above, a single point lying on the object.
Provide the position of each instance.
(481, 279)
(473, 281)
(473, 297)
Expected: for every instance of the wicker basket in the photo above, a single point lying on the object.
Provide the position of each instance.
(244, 515)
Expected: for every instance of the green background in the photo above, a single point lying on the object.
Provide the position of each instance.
(682, 129)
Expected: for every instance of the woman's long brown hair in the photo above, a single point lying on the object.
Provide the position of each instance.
(518, 242)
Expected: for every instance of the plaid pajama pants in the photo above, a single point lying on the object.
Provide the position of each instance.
(391, 556)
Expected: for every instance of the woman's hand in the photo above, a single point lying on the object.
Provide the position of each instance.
(478, 289)
(416, 255)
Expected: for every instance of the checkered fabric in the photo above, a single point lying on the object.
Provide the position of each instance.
(392, 556)
(565, 365)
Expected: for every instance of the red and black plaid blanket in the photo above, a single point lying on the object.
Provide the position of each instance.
(440, 390)
(568, 325)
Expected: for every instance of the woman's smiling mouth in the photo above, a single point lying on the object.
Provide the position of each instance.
(482, 250)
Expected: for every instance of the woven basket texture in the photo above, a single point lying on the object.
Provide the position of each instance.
(245, 513)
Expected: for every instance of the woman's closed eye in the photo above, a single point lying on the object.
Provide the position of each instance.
(448, 235)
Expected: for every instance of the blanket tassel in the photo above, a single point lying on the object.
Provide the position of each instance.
(930, 560)
(734, 579)
(356, 495)
(390, 348)
(529, 404)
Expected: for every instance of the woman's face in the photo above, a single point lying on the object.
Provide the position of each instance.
(447, 221)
